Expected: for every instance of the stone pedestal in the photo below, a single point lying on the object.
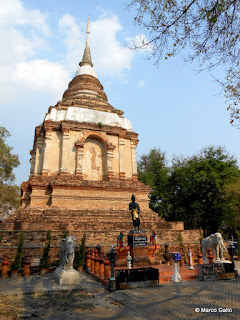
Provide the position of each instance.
(66, 277)
(176, 275)
(121, 256)
(138, 242)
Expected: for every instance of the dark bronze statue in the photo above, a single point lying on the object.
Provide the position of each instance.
(135, 212)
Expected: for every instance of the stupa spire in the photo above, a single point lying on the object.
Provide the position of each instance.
(86, 60)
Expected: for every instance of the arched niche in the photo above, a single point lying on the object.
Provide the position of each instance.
(94, 159)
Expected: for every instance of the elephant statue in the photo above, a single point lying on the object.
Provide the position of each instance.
(214, 242)
(67, 250)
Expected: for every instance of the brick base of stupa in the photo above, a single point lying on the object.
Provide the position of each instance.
(97, 208)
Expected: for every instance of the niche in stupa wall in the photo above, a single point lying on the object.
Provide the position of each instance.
(115, 160)
(128, 159)
(55, 153)
(94, 159)
(72, 152)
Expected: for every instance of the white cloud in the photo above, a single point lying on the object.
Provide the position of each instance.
(20, 70)
(141, 83)
(35, 74)
(12, 13)
(110, 57)
(25, 33)
(73, 40)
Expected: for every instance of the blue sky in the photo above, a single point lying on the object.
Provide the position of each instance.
(171, 107)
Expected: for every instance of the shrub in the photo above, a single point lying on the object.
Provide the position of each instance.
(17, 263)
(45, 257)
(80, 254)
(1, 237)
(180, 238)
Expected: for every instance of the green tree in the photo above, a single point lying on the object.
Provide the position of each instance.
(232, 222)
(45, 257)
(80, 254)
(9, 193)
(208, 31)
(197, 189)
(153, 171)
(17, 263)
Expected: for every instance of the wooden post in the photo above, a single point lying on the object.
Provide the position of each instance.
(88, 261)
(96, 269)
(182, 257)
(93, 261)
(107, 271)
(200, 256)
(210, 256)
(26, 268)
(5, 267)
(101, 266)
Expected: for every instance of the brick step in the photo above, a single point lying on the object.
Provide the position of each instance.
(101, 216)
(94, 213)
(84, 218)
(87, 218)
(164, 279)
(87, 214)
(91, 224)
(188, 277)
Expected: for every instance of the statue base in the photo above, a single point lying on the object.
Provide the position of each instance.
(137, 231)
(66, 277)
(222, 261)
(138, 243)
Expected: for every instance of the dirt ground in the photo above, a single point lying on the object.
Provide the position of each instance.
(58, 305)
(41, 298)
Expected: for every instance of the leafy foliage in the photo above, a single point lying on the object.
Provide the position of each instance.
(9, 193)
(45, 257)
(232, 221)
(195, 189)
(8, 161)
(180, 239)
(17, 263)
(153, 171)
(1, 237)
(65, 234)
(80, 254)
(208, 29)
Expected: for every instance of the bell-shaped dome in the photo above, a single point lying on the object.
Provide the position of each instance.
(84, 85)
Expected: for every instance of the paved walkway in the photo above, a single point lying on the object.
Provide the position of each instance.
(39, 297)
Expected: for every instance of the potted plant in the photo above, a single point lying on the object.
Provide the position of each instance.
(17, 263)
(44, 264)
(80, 254)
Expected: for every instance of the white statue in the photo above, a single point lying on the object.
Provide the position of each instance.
(214, 242)
(129, 261)
(65, 274)
(67, 249)
(190, 259)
